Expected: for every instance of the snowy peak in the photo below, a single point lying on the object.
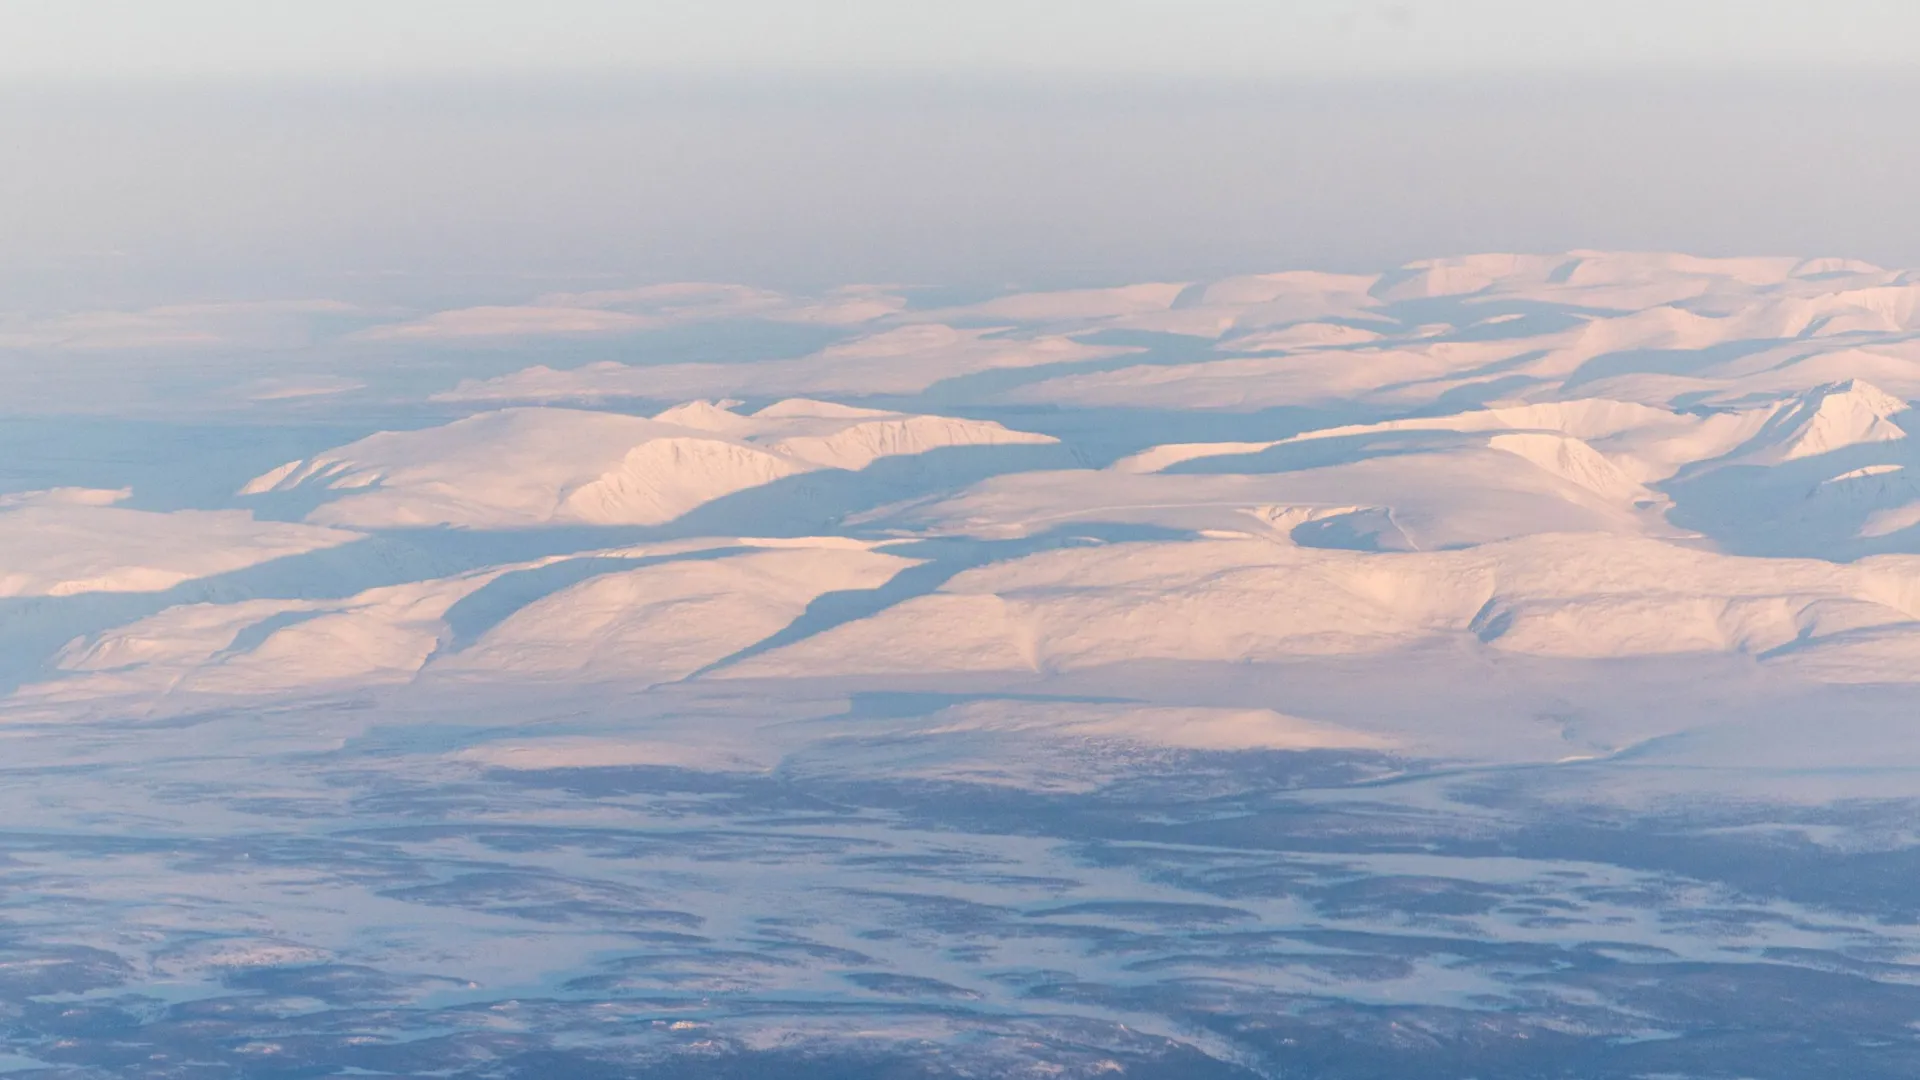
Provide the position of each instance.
(524, 467)
(1828, 418)
(859, 445)
(706, 416)
(660, 479)
(1574, 461)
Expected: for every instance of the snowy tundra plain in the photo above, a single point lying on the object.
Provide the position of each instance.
(1498, 667)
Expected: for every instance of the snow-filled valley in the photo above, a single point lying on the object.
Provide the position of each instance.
(1500, 667)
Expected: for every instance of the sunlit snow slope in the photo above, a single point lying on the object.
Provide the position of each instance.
(1594, 456)
(1058, 670)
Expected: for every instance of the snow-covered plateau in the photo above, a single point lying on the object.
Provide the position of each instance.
(1499, 667)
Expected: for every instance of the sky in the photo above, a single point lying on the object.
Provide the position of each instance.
(426, 151)
(92, 39)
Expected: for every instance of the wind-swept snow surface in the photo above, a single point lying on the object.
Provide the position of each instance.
(1501, 666)
(69, 541)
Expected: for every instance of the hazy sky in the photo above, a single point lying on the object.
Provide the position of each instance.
(428, 150)
(98, 38)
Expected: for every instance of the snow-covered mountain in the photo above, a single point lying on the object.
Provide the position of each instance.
(1166, 676)
(544, 466)
(1637, 444)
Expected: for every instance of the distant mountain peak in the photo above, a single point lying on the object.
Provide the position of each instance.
(1827, 418)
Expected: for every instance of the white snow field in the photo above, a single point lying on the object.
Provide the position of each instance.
(69, 541)
(1504, 666)
(542, 466)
